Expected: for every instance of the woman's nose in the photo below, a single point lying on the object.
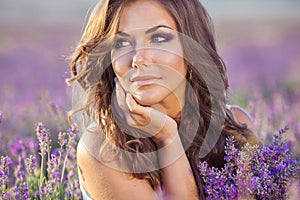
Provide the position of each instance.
(141, 57)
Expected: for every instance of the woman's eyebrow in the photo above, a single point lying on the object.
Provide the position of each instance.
(157, 27)
(123, 34)
(150, 30)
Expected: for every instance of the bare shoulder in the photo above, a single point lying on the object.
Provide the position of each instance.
(241, 115)
(103, 182)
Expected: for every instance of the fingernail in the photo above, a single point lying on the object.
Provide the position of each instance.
(116, 80)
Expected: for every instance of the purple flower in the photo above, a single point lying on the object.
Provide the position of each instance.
(31, 145)
(58, 170)
(43, 188)
(259, 172)
(62, 139)
(4, 169)
(30, 164)
(36, 193)
(6, 196)
(43, 137)
(17, 148)
(22, 175)
(21, 191)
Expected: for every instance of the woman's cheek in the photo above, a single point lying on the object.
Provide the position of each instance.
(121, 66)
(174, 62)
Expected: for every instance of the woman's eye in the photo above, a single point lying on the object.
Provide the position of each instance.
(159, 38)
(121, 43)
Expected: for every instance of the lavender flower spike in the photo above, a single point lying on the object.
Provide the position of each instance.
(253, 172)
(30, 164)
(3, 173)
(43, 137)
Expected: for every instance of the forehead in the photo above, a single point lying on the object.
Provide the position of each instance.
(144, 14)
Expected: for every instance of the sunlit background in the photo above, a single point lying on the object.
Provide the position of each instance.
(258, 40)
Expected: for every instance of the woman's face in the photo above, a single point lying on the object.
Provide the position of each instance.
(147, 57)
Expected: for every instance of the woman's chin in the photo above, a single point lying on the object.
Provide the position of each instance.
(144, 100)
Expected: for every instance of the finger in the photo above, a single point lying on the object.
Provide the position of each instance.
(139, 114)
(131, 103)
(146, 118)
(136, 108)
(130, 120)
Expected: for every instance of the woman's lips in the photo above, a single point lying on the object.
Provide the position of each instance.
(144, 80)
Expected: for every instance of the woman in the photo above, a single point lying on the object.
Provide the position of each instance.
(156, 94)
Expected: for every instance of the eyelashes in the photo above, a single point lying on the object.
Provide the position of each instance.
(161, 37)
(119, 43)
(156, 38)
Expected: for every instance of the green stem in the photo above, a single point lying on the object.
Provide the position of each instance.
(3, 187)
(64, 166)
(48, 152)
(42, 172)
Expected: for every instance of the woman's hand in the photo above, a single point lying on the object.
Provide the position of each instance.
(157, 124)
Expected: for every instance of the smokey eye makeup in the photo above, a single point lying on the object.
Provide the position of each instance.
(161, 37)
(157, 37)
(121, 42)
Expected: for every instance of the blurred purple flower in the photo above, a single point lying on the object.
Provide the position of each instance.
(1, 117)
(6, 196)
(4, 172)
(17, 147)
(22, 175)
(53, 175)
(30, 164)
(297, 132)
(32, 145)
(62, 139)
(36, 193)
(22, 192)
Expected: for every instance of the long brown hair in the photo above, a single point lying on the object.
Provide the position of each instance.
(92, 57)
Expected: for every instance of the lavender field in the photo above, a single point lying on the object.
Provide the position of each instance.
(262, 58)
